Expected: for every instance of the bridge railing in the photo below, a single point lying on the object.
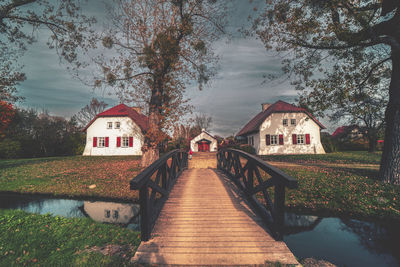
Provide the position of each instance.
(154, 184)
(254, 177)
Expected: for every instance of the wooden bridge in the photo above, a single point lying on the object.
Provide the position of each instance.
(205, 216)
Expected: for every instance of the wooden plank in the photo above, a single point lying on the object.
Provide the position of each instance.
(204, 223)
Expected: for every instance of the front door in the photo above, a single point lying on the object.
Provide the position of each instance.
(206, 147)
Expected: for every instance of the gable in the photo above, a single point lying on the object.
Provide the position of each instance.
(278, 107)
(122, 110)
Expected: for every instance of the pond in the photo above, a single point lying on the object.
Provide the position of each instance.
(344, 242)
(124, 214)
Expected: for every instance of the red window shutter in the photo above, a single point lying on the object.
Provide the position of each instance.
(106, 141)
(94, 141)
(118, 141)
(281, 139)
(307, 139)
(294, 139)
(268, 139)
(130, 141)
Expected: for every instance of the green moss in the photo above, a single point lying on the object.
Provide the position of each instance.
(28, 239)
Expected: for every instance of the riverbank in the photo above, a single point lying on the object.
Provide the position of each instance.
(72, 177)
(46, 240)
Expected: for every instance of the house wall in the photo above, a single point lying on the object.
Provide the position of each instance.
(203, 135)
(273, 125)
(256, 138)
(127, 128)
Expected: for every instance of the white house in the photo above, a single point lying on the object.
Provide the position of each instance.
(117, 131)
(282, 128)
(204, 142)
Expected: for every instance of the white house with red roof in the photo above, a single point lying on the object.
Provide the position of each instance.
(204, 142)
(119, 130)
(282, 128)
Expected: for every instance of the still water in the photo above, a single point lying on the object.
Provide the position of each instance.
(100, 211)
(344, 242)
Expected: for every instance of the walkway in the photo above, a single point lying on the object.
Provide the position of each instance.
(206, 222)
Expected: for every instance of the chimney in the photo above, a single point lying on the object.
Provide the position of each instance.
(265, 106)
(137, 109)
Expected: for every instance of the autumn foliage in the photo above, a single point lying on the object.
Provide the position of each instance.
(6, 114)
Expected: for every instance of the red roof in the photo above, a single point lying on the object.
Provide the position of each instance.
(278, 107)
(123, 110)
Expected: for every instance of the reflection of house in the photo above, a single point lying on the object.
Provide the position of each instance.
(110, 212)
(204, 142)
(282, 128)
(116, 131)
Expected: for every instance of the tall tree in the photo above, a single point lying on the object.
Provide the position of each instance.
(88, 112)
(317, 35)
(345, 95)
(22, 20)
(158, 47)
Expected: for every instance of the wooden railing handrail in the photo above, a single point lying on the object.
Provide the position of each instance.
(153, 193)
(249, 179)
(286, 179)
(141, 179)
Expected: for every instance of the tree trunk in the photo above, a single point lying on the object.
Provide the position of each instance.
(372, 141)
(390, 162)
(150, 149)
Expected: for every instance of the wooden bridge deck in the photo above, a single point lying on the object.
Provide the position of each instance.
(205, 222)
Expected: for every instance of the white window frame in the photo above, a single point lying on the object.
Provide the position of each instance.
(101, 142)
(285, 122)
(125, 141)
(250, 140)
(293, 122)
(301, 138)
(109, 125)
(274, 140)
(117, 125)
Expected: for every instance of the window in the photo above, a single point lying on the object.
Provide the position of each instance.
(107, 213)
(125, 141)
(117, 125)
(115, 214)
(102, 142)
(285, 122)
(109, 125)
(300, 139)
(293, 122)
(274, 139)
(251, 140)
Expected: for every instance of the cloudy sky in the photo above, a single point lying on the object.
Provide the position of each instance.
(231, 99)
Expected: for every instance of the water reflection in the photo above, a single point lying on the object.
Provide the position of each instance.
(110, 212)
(100, 211)
(343, 241)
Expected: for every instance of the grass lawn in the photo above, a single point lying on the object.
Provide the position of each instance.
(71, 176)
(337, 190)
(32, 239)
(361, 157)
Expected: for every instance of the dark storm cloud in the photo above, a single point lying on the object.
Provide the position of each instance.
(232, 98)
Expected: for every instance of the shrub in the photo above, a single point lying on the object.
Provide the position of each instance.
(330, 144)
(9, 148)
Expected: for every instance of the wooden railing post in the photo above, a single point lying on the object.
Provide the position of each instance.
(145, 219)
(151, 205)
(279, 180)
(279, 209)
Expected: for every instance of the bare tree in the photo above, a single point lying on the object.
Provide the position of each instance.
(157, 48)
(203, 121)
(88, 112)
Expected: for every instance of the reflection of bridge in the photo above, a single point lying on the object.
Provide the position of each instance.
(205, 219)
